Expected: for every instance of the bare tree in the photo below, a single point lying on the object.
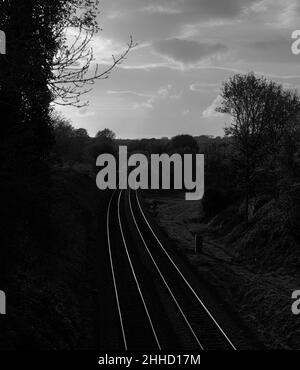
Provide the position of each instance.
(73, 70)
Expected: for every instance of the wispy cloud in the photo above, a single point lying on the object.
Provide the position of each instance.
(163, 93)
(204, 86)
(188, 51)
(128, 92)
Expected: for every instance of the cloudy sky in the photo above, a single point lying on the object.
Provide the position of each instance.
(170, 82)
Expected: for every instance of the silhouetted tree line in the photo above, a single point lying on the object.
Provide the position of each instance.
(26, 137)
(75, 145)
(43, 64)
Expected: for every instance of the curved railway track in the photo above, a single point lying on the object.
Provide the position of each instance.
(158, 306)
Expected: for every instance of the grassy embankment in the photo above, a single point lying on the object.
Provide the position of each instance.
(254, 269)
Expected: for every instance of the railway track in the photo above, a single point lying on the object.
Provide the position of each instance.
(158, 307)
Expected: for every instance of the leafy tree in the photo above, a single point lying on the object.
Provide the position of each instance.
(260, 110)
(63, 135)
(184, 142)
(71, 145)
(106, 134)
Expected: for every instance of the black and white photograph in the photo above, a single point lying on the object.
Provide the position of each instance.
(150, 179)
